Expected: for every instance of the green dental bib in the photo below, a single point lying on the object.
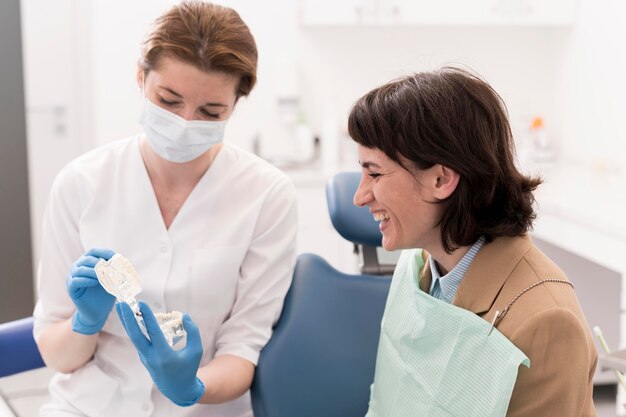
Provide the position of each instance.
(435, 359)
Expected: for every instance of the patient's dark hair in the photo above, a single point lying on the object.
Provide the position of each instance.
(453, 118)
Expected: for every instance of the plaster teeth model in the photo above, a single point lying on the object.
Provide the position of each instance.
(172, 326)
(119, 278)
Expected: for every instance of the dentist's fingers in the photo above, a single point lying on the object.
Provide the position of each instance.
(87, 260)
(83, 271)
(103, 253)
(152, 327)
(194, 341)
(127, 316)
(82, 282)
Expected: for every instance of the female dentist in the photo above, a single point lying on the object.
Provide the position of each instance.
(478, 299)
(210, 228)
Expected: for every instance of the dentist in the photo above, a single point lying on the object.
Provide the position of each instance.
(210, 228)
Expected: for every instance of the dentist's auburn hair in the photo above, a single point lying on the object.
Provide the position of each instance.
(452, 117)
(208, 36)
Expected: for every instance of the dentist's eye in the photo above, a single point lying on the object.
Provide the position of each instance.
(374, 175)
(211, 115)
(166, 102)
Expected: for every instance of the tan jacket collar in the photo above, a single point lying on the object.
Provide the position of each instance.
(486, 275)
(490, 269)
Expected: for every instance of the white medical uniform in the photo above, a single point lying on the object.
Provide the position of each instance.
(227, 259)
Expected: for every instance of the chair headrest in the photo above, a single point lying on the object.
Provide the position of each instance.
(355, 224)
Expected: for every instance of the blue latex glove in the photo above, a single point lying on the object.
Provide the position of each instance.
(93, 303)
(173, 371)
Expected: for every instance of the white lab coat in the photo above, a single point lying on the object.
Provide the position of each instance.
(227, 260)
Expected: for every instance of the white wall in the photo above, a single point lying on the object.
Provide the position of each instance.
(572, 76)
(338, 65)
(117, 28)
(590, 95)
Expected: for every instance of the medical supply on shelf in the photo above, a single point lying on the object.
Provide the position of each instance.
(542, 147)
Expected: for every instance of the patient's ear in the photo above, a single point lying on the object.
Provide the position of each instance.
(446, 181)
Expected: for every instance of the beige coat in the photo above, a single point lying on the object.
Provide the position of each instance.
(546, 323)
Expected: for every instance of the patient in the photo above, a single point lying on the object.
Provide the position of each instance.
(478, 299)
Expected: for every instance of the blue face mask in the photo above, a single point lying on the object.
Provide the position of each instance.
(176, 139)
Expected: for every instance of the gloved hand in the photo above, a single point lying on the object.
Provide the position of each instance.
(173, 371)
(93, 303)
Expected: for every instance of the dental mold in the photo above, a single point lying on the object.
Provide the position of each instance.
(172, 326)
(120, 279)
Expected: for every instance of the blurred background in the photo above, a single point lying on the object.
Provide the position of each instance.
(67, 84)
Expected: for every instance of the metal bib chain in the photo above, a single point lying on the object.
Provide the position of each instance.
(499, 316)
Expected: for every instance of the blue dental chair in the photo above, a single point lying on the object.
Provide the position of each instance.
(320, 360)
(18, 351)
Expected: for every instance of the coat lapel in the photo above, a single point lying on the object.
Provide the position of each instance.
(487, 274)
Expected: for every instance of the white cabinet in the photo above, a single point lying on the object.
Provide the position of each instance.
(329, 12)
(439, 13)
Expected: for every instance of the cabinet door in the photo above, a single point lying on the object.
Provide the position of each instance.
(478, 12)
(439, 13)
(333, 12)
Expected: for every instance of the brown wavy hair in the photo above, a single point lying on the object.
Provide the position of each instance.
(208, 36)
(454, 118)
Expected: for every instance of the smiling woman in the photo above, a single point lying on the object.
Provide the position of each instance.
(210, 228)
(472, 297)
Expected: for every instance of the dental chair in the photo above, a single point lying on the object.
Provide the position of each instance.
(320, 360)
(18, 351)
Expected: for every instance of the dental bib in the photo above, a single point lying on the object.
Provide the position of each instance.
(438, 360)
(119, 278)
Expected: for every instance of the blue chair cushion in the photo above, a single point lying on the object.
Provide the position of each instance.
(18, 350)
(320, 360)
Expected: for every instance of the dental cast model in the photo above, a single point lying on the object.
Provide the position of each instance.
(172, 326)
(119, 278)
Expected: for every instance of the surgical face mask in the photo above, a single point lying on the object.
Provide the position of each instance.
(176, 139)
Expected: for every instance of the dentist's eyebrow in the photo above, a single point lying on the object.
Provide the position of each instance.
(171, 91)
(180, 96)
(215, 105)
(368, 164)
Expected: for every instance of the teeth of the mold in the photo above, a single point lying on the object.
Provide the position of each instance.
(119, 278)
(172, 326)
